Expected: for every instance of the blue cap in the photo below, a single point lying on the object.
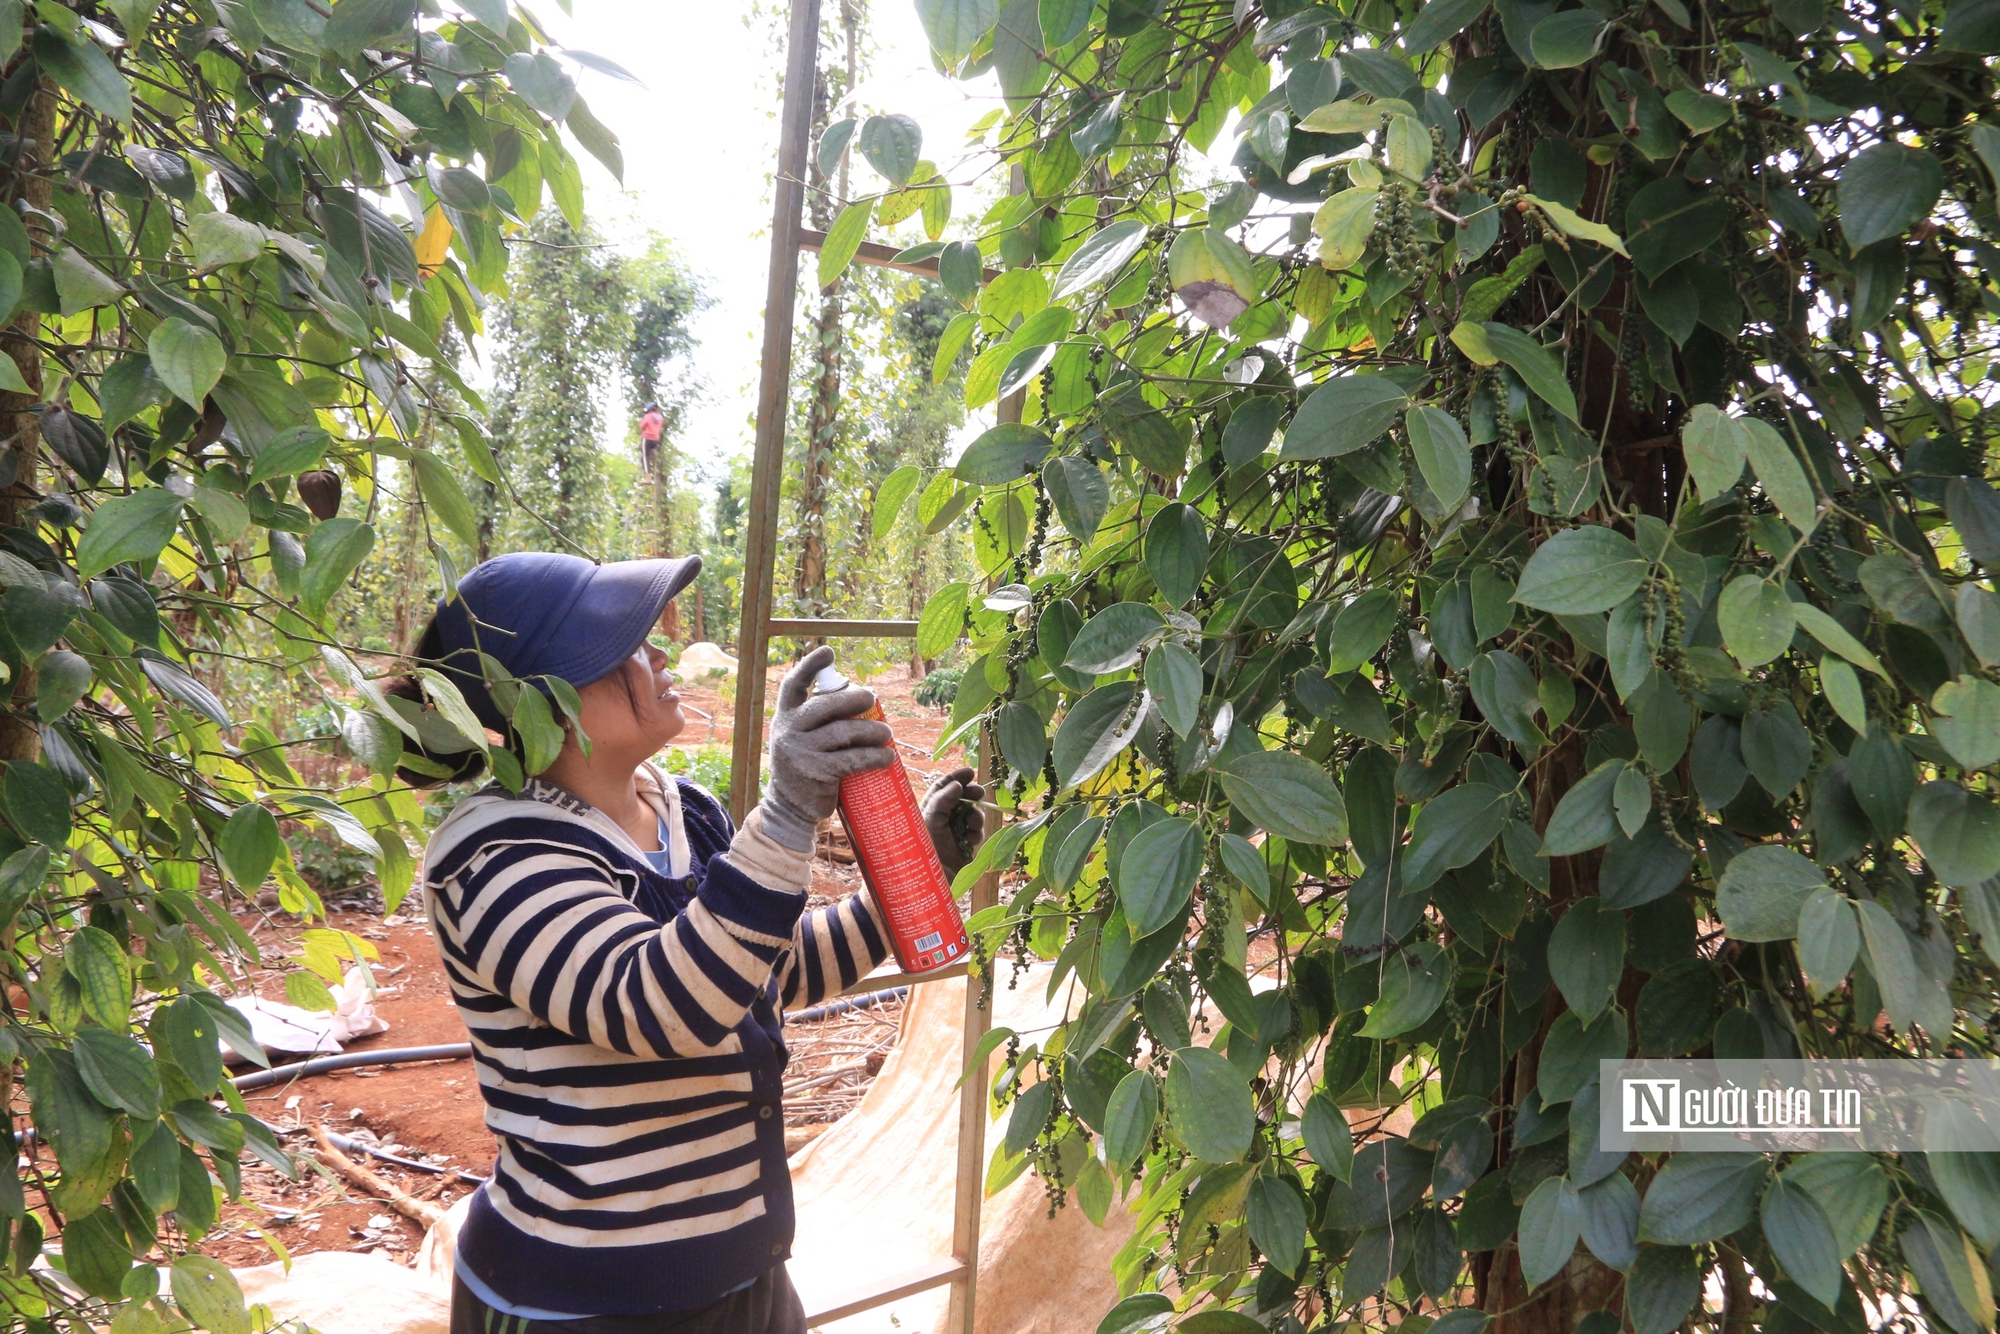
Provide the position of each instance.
(539, 613)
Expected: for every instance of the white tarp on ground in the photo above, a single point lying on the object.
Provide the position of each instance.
(874, 1199)
(702, 661)
(339, 1292)
(287, 1030)
(875, 1193)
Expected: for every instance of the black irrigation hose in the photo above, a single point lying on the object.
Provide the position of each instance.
(450, 1051)
(348, 1144)
(846, 1003)
(453, 1051)
(278, 1074)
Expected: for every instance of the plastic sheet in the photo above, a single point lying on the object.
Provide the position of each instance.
(875, 1193)
(287, 1030)
(702, 662)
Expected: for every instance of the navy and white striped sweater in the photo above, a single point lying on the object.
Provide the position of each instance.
(628, 1033)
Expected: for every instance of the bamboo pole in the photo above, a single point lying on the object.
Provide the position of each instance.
(767, 466)
(970, 1195)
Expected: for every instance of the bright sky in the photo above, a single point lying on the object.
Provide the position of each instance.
(700, 142)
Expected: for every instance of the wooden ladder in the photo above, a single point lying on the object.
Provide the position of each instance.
(789, 237)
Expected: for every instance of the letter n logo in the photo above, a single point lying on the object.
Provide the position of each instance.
(1651, 1104)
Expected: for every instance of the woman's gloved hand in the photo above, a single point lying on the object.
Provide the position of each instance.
(816, 740)
(952, 814)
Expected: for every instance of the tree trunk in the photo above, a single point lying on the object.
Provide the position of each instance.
(407, 608)
(809, 585)
(19, 738)
(1641, 469)
(918, 668)
(663, 527)
(489, 510)
(1584, 1286)
(1739, 1304)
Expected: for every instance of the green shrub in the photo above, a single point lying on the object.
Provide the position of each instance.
(706, 765)
(331, 866)
(940, 688)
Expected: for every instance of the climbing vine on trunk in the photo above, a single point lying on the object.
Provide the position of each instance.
(1500, 581)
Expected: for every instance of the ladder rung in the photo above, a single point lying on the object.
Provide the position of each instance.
(883, 256)
(933, 1275)
(888, 981)
(812, 629)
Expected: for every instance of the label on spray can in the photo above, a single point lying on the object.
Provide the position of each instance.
(893, 848)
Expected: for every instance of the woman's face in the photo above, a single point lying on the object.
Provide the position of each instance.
(635, 709)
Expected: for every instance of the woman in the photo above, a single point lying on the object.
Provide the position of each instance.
(623, 957)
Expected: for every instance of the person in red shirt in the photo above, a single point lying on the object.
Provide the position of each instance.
(650, 427)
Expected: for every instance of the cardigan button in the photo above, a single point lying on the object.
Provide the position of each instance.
(777, 1250)
(764, 1112)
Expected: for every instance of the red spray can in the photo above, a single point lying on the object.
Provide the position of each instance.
(893, 849)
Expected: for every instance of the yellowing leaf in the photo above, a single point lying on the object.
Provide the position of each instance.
(1354, 117)
(435, 242)
(1569, 223)
(1343, 118)
(1409, 147)
(1716, 448)
(843, 240)
(1470, 338)
(1343, 224)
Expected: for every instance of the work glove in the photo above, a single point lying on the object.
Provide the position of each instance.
(816, 740)
(952, 814)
